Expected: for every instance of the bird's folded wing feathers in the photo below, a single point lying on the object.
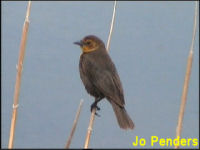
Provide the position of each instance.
(109, 84)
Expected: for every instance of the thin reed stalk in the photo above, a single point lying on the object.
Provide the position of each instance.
(87, 139)
(74, 124)
(111, 26)
(186, 81)
(18, 77)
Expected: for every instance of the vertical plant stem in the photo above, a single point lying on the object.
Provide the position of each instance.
(74, 124)
(111, 26)
(18, 77)
(87, 140)
(186, 81)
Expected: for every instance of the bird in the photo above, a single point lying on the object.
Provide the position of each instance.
(100, 78)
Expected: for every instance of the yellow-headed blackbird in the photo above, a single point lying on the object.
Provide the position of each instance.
(100, 78)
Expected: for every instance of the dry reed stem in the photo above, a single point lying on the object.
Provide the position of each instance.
(87, 139)
(74, 124)
(111, 26)
(18, 77)
(186, 81)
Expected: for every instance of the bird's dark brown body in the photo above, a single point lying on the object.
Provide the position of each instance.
(100, 78)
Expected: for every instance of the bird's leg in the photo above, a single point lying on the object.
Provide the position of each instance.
(94, 105)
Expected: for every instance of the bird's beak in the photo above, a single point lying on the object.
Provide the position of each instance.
(80, 43)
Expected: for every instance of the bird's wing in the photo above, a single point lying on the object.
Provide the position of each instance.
(109, 84)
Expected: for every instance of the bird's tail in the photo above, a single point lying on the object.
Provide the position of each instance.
(123, 118)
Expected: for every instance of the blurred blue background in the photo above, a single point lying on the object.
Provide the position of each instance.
(149, 46)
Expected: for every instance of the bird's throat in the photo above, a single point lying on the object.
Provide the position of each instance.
(87, 49)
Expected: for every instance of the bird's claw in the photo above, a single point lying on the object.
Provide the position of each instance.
(97, 107)
(97, 114)
(94, 105)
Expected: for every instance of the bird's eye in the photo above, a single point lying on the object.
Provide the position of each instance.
(88, 42)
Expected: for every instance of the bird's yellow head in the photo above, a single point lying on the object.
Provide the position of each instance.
(90, 43)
